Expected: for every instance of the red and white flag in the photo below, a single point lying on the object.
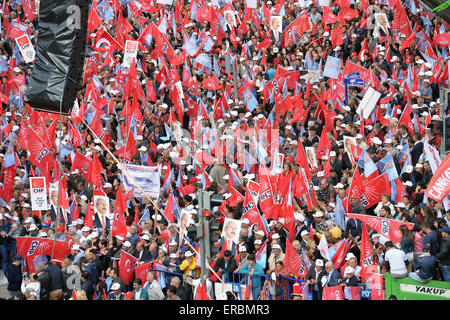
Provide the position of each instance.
(439, 186)
(126, 266)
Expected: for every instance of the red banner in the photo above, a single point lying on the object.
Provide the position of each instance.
(377, 285)
(28, 247)
(387, 227)
(333, 293)
(439, 186)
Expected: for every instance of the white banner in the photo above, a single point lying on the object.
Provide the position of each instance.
(131, 48)
(38, 192)
(147, 178)
(368, 102)
(433, 156)
(26, 48)
(251, 4)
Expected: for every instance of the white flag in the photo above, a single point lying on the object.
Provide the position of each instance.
(323, 248)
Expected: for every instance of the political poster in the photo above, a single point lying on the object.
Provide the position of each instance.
(368, 102)
(131, 48)
(332, 67)
(38, 192)
(142, 180)
(26, 48)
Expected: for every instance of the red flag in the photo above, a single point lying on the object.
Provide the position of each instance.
(333, 293)
(89, 218)
(366, 260)
(31, 246)
(126, 266)
(340, 254)
(141, 271)
(201, 292)
(439, 186)
(96, 170)
(84, 165)
(292, 260)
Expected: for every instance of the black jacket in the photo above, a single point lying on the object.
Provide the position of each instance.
(56, 277)
(44, 280)
(444, 252)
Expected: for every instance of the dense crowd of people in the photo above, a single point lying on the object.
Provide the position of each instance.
(251, 104)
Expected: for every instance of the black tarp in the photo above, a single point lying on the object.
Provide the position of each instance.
(60, 49)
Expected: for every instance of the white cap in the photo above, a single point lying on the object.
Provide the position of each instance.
(241, 249)
(318, 214)
(260, 232)
(400, 205)
(127, 243)
(145, 237)
(257, 241)
(276, 236)
(115, 286)
(86, 228)
(376, 140)
(320, 174)
(349, 270)
(33, 227)
(276, 246)
(246, 221)
(304, 232)
(339, 186)
(319, 262)
(408, 184)
(409, 169)
(76, 247)
(119, 237)
(419, 165)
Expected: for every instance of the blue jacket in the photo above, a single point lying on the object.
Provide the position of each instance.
(431, 240)
(426, 266)
(257, 273)
(14, 275)
(4, 227)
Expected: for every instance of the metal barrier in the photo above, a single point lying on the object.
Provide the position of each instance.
(279, 289)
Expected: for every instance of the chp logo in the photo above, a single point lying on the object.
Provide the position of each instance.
(33, 246)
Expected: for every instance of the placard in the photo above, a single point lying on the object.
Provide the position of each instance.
(38, 192)
(26, 48)
(131, 48)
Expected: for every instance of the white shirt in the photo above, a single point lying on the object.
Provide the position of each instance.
(137, 296)
(396, 259)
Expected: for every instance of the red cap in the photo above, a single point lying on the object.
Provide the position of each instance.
(61, 228)
(193, 180)
(129, 294)
(353, 54)
(313, 169)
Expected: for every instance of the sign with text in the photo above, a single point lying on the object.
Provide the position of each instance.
(26, 48)
(131, 48)
(38, 193)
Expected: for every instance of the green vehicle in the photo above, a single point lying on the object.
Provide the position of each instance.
(409, 289)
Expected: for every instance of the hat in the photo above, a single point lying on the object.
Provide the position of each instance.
(319, 262)
(119, 237)
(349, 270)
(76, 247)
(408, 184)
(339, 186)
(85, 229)
(242, 249)
(173, 255)
(376, 140)
(445, 229)
(275, 49)
(258, 241)
(145, 237)
(45, 225)
(188, 254)
(409, 169)
(318, 214)
(299, 217)
(400, 205)
(281, 220)
(60, 228)
(276, 246)
(115, 286)
(276, 236)
(388, 140)
(304, 232)
(33, 227)
(320, 174)
(107, 185)
(349, 256)
(127, 243)
(296, 289)
(260, 232)
(18, 257)
(333, 154)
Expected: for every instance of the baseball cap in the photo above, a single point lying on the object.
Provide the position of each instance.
(349, 270)
(319, 262)
(445, 229)
(188, 254)
(115, 286)
(276, 246)
(242, 249)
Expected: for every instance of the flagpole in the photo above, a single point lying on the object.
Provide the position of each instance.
(145, 193)
(59, 180)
